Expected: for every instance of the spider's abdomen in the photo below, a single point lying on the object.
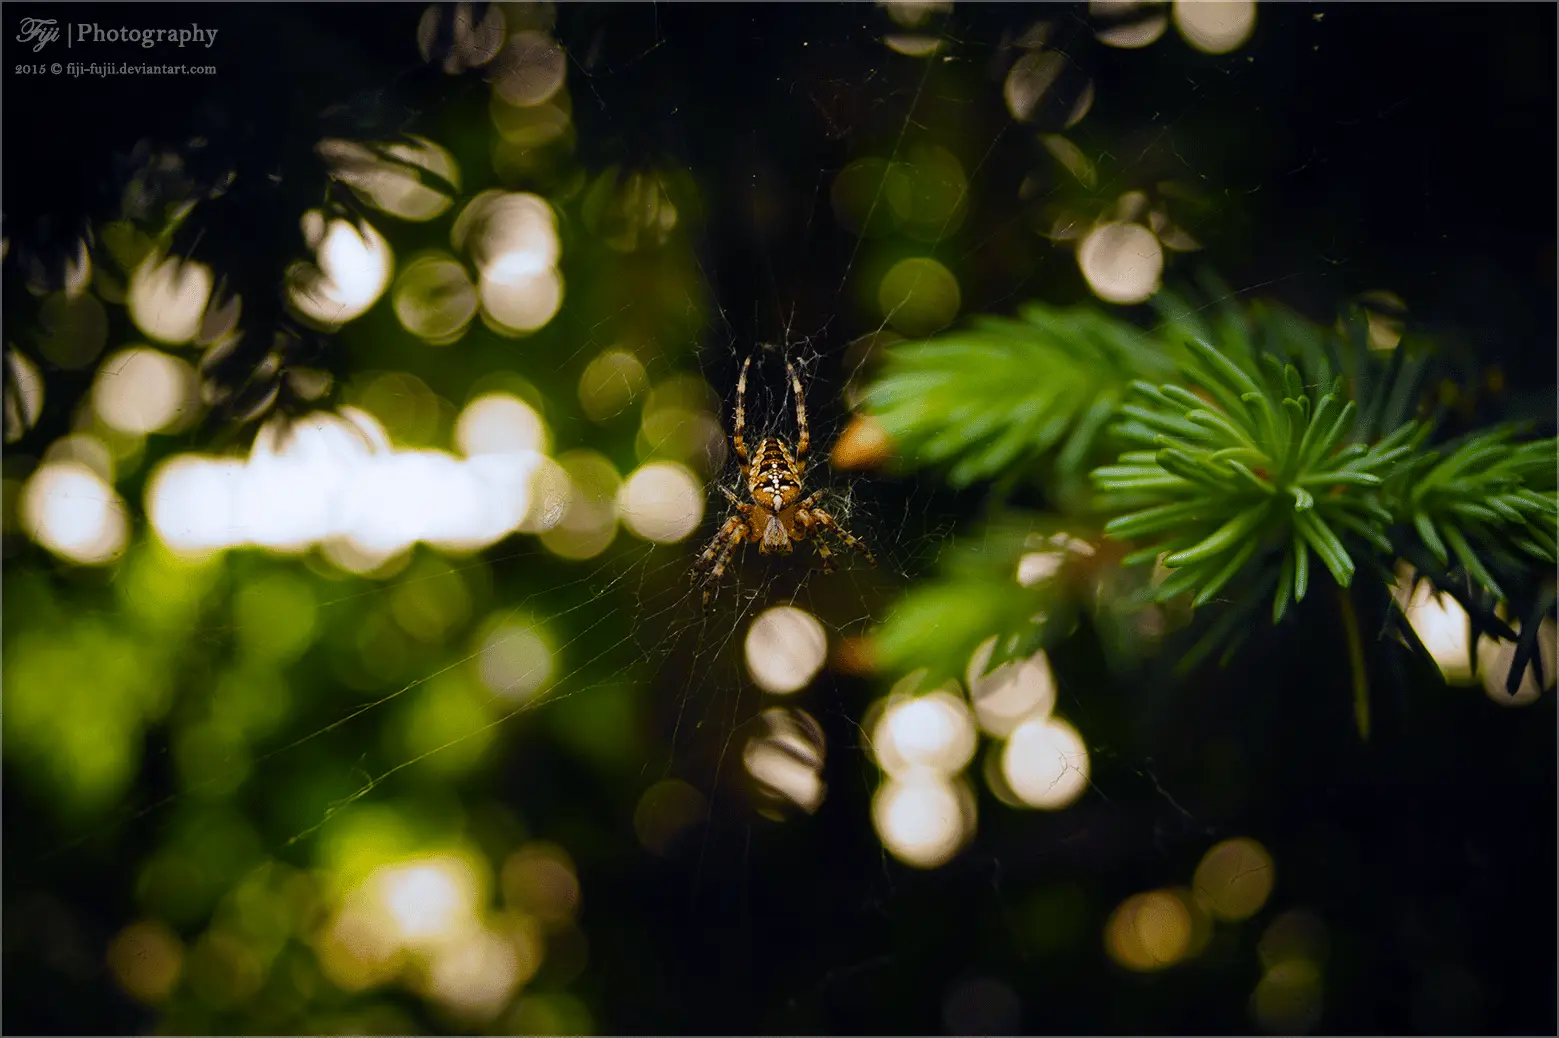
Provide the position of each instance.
(772, 479)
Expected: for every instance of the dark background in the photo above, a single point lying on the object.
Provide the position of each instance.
(1345, 148)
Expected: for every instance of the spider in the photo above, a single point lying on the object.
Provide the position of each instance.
(778, 516)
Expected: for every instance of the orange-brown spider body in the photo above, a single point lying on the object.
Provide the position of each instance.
(777, 516)
(775, 487)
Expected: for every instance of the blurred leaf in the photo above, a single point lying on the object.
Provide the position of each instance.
(1001, 394)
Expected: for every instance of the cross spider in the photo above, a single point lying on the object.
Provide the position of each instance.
(778, 516)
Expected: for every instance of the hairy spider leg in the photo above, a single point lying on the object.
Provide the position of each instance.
(731, 533)
(810, 525)
(738, 537)
(822, 518)
(803, 437)
(810, 501)
(741, 418)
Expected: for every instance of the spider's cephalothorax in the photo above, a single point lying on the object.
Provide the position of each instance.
(777, 516)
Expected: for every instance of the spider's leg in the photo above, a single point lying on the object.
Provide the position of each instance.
(826, 556)
(803, 437)
(741, 418)
(808, 502)
(745, 508)
(727, 531)
(822, 518)
(739, 535)
(809, 524)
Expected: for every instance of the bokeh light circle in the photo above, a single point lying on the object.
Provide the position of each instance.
(140, 390)
(1234, 879)
(167, 298)
(662, 502)
(1122, 262)
(1045, 763)
(919, 296)
(1215, 26)
(1149, 931)
(70, 510)
(922, 819)
(784, 649)
(932, 731)
(434, 299)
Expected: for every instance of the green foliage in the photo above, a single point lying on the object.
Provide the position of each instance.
(1022, 581)
(1282, 450)
(1487, 498)
(1001, 394)
(1246, 466)
(939, 623)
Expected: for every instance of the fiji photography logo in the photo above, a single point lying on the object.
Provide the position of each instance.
(40, 32)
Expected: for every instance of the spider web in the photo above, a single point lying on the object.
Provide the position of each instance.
(633, 616)
(636, 615)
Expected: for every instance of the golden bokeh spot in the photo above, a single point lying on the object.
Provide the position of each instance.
(1296, 935)
(610, 383)
(1234, 879)
(147, 960)
(430, 600)
(864, 444)
(434, 299)
(474, 43)
(919, 296)
(1288, 999)
(1149, 931)
(685, 435)
(539, 879)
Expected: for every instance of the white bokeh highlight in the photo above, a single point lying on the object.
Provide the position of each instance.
(1045, 763)
(662, 502)
(72, 511)
(785, 648)
(932, 732)
(140, 391)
